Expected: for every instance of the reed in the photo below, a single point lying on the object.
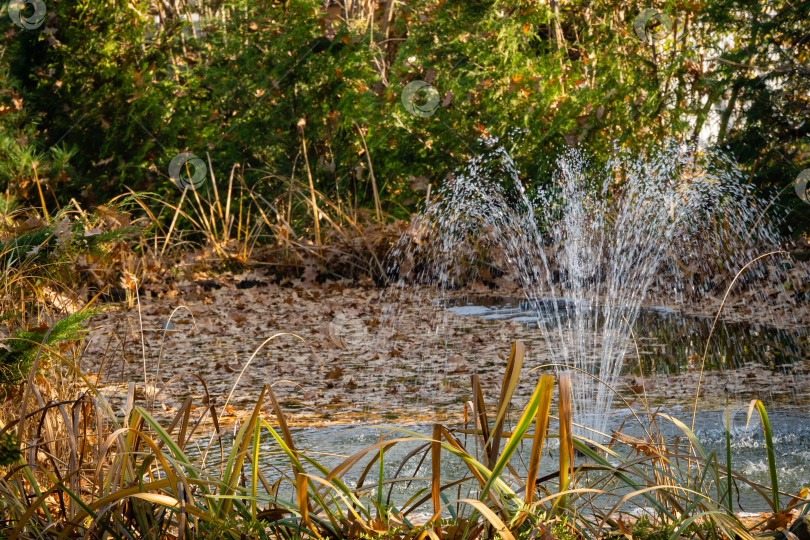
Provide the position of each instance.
(84, 472)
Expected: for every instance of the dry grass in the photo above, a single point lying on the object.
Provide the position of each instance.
(299, 233)
(88, 472)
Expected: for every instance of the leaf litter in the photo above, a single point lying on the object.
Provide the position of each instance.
(342, 352)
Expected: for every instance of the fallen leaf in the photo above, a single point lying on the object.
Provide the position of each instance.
(779, 520)
(333, 332)
(336, 373)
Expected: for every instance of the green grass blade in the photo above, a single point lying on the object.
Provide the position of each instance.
(766, 429)
(517, 436)
(729, 480)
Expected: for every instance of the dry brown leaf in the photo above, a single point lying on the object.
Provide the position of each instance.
(779, 520)
(335, 373)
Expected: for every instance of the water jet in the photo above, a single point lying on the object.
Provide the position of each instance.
(590, 247)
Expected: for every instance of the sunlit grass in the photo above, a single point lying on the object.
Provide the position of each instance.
(86, 472)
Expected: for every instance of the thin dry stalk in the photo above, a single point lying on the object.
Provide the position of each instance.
(315, 211)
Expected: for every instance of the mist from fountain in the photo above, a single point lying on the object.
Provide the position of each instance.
(589, 246)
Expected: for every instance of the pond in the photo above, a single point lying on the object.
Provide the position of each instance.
(669, 339)
(669, 342)
(332, 445)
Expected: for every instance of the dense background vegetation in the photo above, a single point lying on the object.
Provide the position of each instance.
(102, 95)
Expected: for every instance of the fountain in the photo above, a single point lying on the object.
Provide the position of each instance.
(591, 246)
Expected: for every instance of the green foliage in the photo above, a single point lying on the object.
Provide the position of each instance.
(23, 147)
(9, 449)
(38, 259)
(645, 528)
(48, 245)
(131, 85)
(236, 526)
(18, 352)
(766, 122)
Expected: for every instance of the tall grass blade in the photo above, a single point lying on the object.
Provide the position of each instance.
(566, 436)
(546, 386)
(480, 414)
(302, 494)
(436, 469)
(510, 381)
(380, 478)
(516, 437)
(729, 480)
(766, 430)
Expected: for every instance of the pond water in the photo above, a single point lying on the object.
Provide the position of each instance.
(668, 344)
(332, 445)
(668, 339)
